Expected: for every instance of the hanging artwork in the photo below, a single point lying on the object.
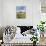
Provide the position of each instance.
(43, 6)
(20, 12)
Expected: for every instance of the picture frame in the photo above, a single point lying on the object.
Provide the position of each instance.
(20, 12)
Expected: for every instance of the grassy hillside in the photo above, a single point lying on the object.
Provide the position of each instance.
(21, 15)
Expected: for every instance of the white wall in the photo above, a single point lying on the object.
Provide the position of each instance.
(1, 18)
(9, 12)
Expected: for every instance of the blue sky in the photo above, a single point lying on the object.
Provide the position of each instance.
(20, 8)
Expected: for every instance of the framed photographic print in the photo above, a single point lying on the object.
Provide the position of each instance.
(20, 12)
